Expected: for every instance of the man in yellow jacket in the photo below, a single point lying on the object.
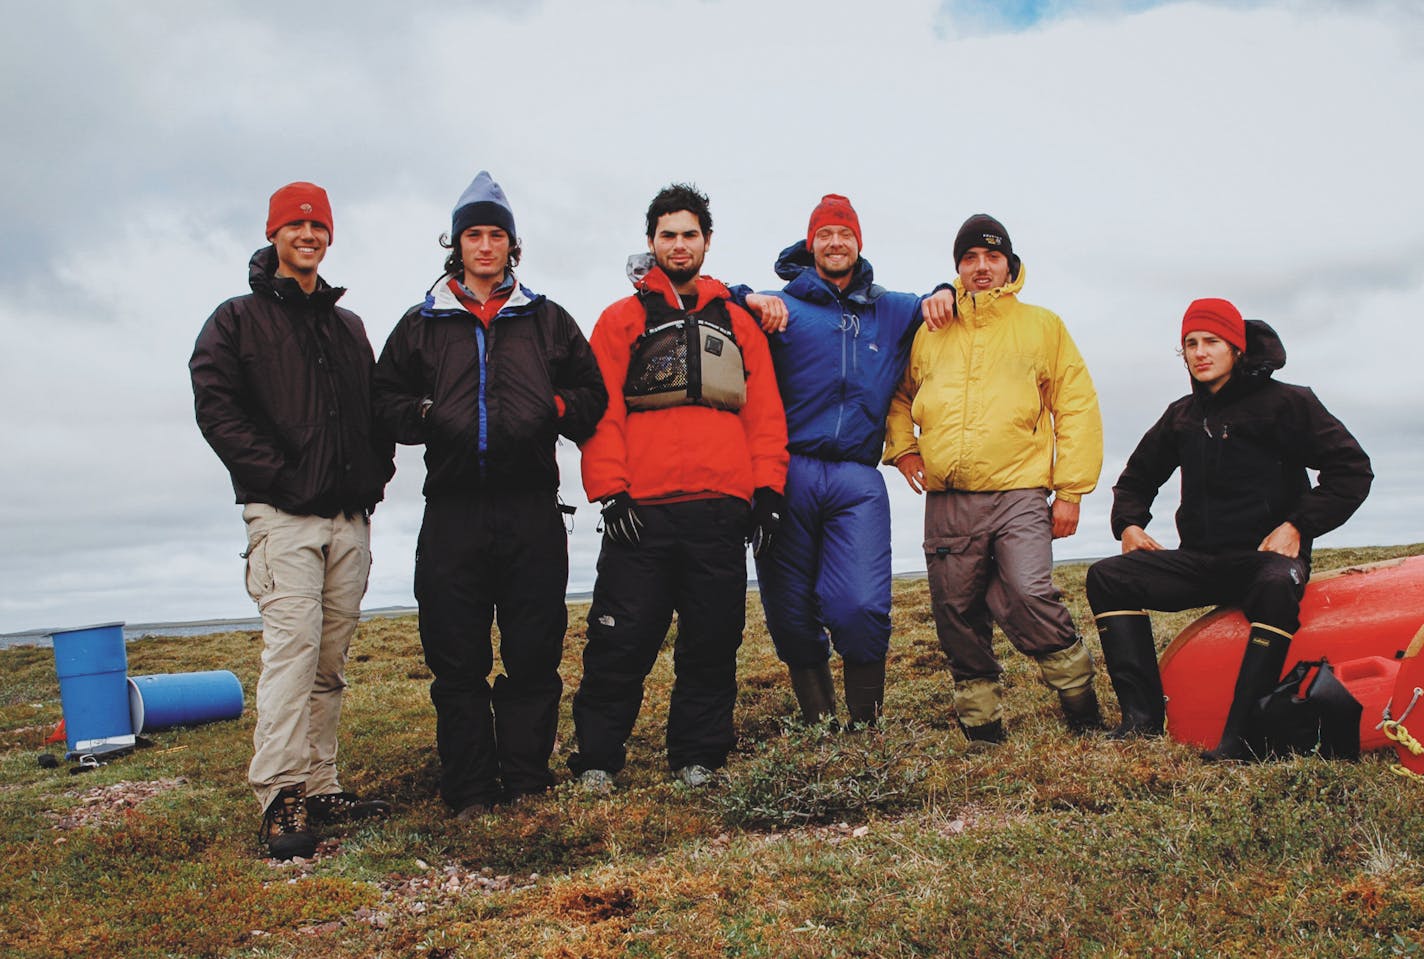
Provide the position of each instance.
(1006, 416)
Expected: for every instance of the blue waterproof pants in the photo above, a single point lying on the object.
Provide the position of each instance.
(826, 580)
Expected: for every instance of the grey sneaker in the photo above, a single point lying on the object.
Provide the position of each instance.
(695, 776)
(596, 781)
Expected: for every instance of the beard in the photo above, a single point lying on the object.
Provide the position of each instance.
(680, 277)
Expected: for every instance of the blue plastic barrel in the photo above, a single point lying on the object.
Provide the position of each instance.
(164, 700)
(93, 669)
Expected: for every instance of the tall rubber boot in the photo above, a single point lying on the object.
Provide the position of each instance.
(864, 691)
(815, 691)
(1131, 656)
(1260, 672)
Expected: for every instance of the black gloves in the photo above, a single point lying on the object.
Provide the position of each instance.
(620, 520)
(767, 505)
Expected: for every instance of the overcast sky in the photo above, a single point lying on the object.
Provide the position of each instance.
(1141, 154)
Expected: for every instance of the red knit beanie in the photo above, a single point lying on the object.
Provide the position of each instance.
(1216, 316)
(833, 210)
(299, 201)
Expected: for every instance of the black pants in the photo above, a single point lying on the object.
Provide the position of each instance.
(1267, 586)
(692, 560)
(504, 557)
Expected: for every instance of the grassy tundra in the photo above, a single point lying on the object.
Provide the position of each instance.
(887, 844)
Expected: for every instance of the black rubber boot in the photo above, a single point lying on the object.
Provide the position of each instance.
(1132, 666)
(864, 692)
(1080, 710)
(815, 691)
(1260, 672)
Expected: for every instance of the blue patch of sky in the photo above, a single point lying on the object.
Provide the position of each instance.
(980, 17)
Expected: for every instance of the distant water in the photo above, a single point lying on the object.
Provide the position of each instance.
(133, 631)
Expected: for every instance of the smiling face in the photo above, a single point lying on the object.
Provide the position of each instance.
(301, 245)
(485, 252)
(679, 247)
(835, 251)
(981, 268)
(1209, 358)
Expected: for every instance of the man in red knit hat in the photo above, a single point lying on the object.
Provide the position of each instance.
(1243, 442)
(282, 390)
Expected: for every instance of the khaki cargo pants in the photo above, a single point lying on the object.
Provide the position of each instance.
(307, 575)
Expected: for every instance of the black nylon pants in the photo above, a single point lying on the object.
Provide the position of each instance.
(691, 560)
(480, 559)
(1267, 586)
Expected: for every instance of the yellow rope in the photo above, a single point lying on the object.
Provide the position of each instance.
(1399, 770)
(1395, 731)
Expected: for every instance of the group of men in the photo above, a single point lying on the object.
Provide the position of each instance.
(712, 418)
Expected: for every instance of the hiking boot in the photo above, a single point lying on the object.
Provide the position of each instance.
(284, 825)
(985, 737)
(473, 811)
(694, 776)
(598, 781)
(344, 807)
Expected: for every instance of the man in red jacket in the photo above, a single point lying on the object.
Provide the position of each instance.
(282, 391)
(689, 462)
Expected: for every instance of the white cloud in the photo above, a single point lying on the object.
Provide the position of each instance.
(1140, 158)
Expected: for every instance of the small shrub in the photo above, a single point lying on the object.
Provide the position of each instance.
(815, 775)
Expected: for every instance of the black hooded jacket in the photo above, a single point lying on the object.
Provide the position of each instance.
(1243, 452)
(282, 393)
(493, 416)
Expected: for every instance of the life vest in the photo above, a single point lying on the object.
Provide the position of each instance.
(685, 359)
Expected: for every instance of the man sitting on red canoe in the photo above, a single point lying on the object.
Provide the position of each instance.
(1248, 515)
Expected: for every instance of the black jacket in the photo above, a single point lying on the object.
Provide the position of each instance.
(492, 422)
(282, 392)
(1244, 452)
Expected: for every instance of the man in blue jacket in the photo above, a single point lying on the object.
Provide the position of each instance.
(839, 356)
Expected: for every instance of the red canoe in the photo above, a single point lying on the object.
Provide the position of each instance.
(1405, 727)
(1361, 618)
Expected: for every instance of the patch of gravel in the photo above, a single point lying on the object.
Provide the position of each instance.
(105, 803)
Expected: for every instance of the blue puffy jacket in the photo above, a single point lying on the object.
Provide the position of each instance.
(840, 358)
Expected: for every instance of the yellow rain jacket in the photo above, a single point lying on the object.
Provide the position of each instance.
(1002, 400)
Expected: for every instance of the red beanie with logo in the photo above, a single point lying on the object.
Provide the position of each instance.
(1218, 317)
(299, 201)
(833, 210)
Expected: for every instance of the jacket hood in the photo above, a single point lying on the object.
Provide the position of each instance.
(797, 265)
(988, 297)
(439, 299)
(646, 276)
(1265, 353)
(262, 278)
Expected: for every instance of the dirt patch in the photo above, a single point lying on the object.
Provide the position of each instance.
(598, 905)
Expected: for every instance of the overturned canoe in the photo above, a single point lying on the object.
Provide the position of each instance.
(1361, 618)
